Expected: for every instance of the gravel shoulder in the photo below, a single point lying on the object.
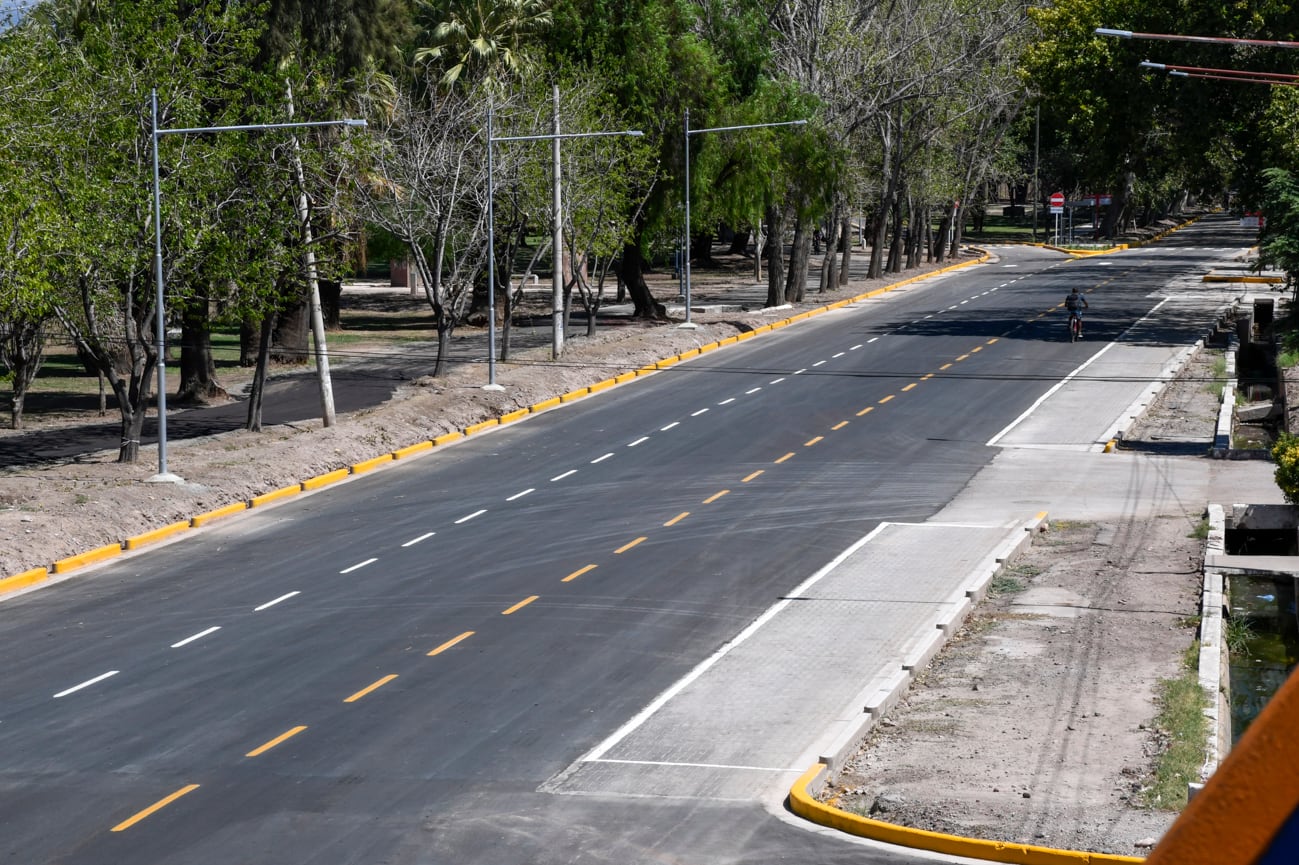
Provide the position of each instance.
(1035, 724)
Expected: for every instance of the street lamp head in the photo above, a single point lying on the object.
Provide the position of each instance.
(1106, 31)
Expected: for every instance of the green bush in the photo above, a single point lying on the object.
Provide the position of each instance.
(1285, 453)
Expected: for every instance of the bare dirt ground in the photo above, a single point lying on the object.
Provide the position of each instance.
(1035, 724)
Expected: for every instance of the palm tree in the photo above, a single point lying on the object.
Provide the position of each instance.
(479, 38)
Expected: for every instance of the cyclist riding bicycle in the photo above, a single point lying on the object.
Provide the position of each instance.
(1075, 303)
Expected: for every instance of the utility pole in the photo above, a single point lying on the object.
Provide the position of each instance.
(313, 283)
(557, 291)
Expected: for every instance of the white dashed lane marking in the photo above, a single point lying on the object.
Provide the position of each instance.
(282, 598)
(87, 683)
(200, 635)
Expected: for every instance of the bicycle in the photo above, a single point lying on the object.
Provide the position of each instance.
(1075, 326)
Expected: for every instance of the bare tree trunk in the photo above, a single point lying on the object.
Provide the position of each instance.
(289, 340)
(775, 254)
(799, 254)
(758, 251)
(845, 238)
(198, 375)
(895, 246)
(632, 273)
(830, 261)
(256, 396)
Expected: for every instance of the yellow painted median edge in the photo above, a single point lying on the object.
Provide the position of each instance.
(274, 495)
(324, 480)
(412, 450)
(152, 537)
(805, 805)
(99, 554)
(23, 580)
(369, 465)
(512, 416)
(227, 511)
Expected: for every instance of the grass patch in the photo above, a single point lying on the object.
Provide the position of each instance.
(1218, 372)
(1006, 584)
(1288, 359)
(1184, 729)
(1237, 633)
(1201, 530)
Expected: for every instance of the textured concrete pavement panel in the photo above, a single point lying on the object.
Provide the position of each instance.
(744, 724)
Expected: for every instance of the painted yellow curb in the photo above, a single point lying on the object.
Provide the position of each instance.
(646, 370)
(274, 495)
(708, 346)
(545, 404)
(668, 361)
(412, 450)
(479, 427)
(574, 395)
(1110, 445)
(802, 803)
(228, 510)
(152, 537)
(324, 480)
(368, 465)
(1257, 280)
(626, 376)
(601, 385)
(26, 578)
(512, 416)
(747, 334)
(99, 554)
(691, 353)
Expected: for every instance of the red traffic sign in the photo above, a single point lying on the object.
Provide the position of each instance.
(1057, 199)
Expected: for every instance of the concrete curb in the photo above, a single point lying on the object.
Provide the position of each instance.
(803, 802)
(34, 577)
(1226, 409)
(1212, 660)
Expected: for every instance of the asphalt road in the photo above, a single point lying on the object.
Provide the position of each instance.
(388, 671)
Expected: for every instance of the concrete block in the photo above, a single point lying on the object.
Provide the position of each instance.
(887, 693)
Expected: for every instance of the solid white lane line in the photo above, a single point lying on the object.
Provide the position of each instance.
(86, 684)
(200, 635)
(731, 399)
(564, 475)
(269, 604)
(424, 537)
(465, 519)
(669, 426)
(522, 494)
(698, 413)
(601, 459)
(638, 441)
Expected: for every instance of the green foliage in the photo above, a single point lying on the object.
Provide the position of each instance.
(1184, 729)
(1285, 453)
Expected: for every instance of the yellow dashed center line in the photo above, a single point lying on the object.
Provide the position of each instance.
(715, 496)
(809, 443)
(288, 734)
(993, 341)
(678, 518)
(451, 642)
(156, 806)
(908, 387)
(520, 605)
(944, 366)
(927, 377)
(886, 399)
(840, 425)
(578, 573)
(625, 547)
(962, 357)
(867, 410)
(751, 476)
(785, 457)
(976, 349)
(368, 688)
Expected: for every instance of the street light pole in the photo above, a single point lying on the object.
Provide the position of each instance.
(557, 296)
(688, 324)
(159, 299)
